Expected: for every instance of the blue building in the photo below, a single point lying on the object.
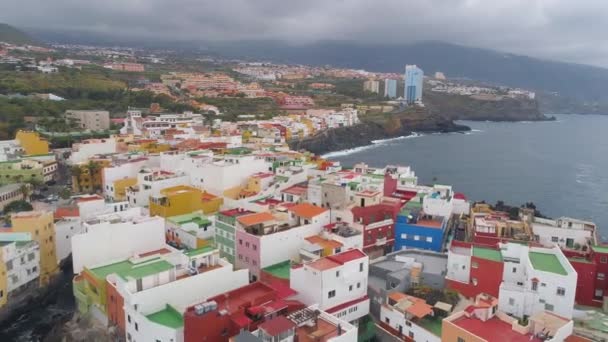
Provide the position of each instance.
(413, 84)
(414, 229)
(390, 88)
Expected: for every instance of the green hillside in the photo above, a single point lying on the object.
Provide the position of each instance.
(12, 35)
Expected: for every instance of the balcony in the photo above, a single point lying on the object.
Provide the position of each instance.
(381, 242)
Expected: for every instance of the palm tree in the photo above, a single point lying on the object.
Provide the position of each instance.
(26, 191)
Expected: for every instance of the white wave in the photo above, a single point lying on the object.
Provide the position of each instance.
(476, 130)
(375, 143)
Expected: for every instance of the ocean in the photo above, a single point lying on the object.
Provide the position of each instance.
(561, 166)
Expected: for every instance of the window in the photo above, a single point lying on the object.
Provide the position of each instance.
(549, 307)
(416, 237)
(460, 339)
(534, 286)
(361, 267)
(601, 276)
(240, 257)
(404, 236)
(554, 239)
(128, 337)
(511, 301)
(136, 327)
(408, 323)
(429, 239)
(255, 247)
(604, 259)
(474, 281)
(247, 244)
(411, 334)
(240, 242)
(331, 294)
(475, 264)
(358, 285)
(350, 287)
(514, 270)
(129, 318)
(30, 257)
(337, 274)
(561, 291)
(387, 320)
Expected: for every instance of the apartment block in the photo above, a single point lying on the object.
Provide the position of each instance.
(94, 120)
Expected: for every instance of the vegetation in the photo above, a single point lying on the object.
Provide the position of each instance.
(18, 206)
(514, 211)
(12, 35)
(432, 296)
(65, 193)
(233, 107)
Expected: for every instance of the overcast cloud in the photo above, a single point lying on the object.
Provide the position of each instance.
(567, 30)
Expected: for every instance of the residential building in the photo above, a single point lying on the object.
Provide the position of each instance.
(21, 170)
(390, 88)
(337, 283)
(67, 224)
(190, 231)
(94, 120)
(19, 265)
(10, 193)
(87, 177)
(264, 239)
(413, 84)
(183, 199)
(410, 318)
(484, 322)
(526, 279)
(40, 226)
(416, 229)
(378, 225)
(150, 183)
(565, 232)
(32, 143)
(372, 86)
(225, 232)
(86, 149)
(403, 270)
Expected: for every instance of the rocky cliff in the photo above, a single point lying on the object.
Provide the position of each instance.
(371, 129)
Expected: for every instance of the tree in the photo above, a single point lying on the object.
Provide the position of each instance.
(26, 191)
(17, 206)
(65, 193)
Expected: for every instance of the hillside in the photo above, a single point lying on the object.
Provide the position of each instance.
(576, 83)
(9, 34)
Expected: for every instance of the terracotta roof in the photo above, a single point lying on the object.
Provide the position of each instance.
(323, 264)
(66, 212)
(316, 239)
(344, 257)
(276, 326)
(307, 210)
(250, 220)
(89, 198)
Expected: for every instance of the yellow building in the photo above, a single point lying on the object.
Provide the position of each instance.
(88, 177)
(120, 188)
(32, 143)
(150, 146)
(40, 225)
(183, 199)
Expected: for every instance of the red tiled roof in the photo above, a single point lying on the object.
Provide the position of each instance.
(241, 320)
(66, 212)
(276, 326)
(493, 330)
(307, 210)
(344, 257)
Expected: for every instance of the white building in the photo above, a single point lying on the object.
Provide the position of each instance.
(409, 316)
(115, 241)
(84, 150)
(21, 260)
(124, 169)
(564, 232)
(67, 224)
(337, 283)
(151, 182)
(536, 279)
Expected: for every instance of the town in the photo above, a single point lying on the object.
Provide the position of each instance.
(204, 225)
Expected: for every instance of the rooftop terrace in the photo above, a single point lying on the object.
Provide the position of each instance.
(127, 269)
(487, 253)
(168, 317)
(547, 262)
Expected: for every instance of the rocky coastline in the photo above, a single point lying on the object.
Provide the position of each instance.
(365, 133)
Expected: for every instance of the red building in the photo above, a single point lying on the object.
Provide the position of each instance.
(224, 315)
(378, 225)
(486, 269)
(592, 271)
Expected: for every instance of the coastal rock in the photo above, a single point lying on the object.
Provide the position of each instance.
(364, 133)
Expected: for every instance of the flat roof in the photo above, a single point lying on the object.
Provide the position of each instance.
(547, 262)
(168, 317)
(127, 269)
(493, 330)
(199, 251)
(197, 218)
(487, 253)
(280, 270)
(600, 249)
(307, 210)
(256, 218)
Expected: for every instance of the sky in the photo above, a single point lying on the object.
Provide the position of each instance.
(565, 30)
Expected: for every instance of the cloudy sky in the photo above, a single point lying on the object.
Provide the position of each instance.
(567, 30)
